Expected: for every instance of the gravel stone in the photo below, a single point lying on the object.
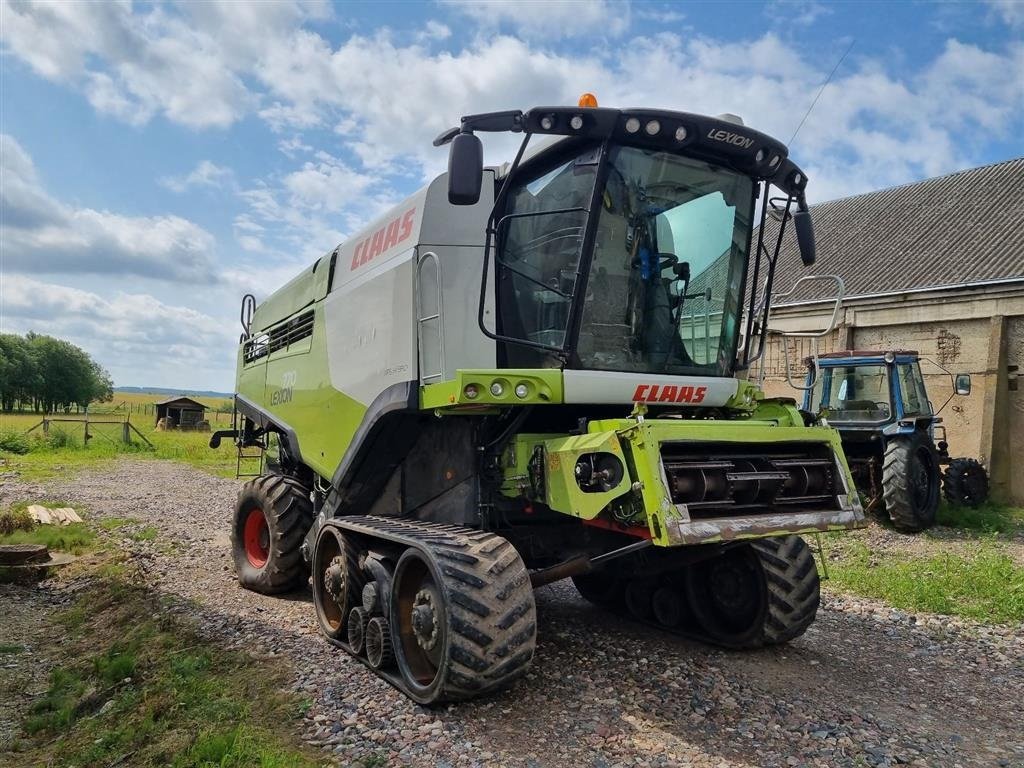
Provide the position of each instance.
(867, 685)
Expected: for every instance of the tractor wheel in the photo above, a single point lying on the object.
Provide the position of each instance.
(763, 593)
(965, 483)
(910, 482)
(272, 517)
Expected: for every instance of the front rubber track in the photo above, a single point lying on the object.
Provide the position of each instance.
(489, 607)
(789, 587)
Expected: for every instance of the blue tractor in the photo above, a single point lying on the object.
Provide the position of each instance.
(879, 404)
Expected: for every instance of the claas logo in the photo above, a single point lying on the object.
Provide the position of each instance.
(384, 239)
(668, 393)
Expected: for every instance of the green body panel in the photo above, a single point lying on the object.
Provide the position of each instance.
(544, 387)
(643, 496)
(559, 456)
(294, 385)
(308, 286)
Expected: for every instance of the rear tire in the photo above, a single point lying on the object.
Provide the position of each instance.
(965, 483)
(272, 516)
(910, 482)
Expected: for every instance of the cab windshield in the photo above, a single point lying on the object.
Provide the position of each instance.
(854, 393)
(670, 246)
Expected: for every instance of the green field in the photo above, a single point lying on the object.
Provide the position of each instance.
(63, 450)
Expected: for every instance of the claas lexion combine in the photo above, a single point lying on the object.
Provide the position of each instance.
(535, 372)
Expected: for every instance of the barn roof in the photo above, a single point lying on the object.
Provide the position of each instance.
(948, 231)
(182, 401)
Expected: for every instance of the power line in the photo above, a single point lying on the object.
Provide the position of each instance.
(820, 91)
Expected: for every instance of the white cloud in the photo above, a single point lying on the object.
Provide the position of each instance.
(140, 339)
(1010, 12)
(548, 19)
(207, 64)
(131, 65)
(434, 30)
(801, 12)
(663, 15)
(205, 174)
(293, 146)
(39, 234)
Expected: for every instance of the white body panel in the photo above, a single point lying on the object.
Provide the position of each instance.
(609, 387)
(371, 329)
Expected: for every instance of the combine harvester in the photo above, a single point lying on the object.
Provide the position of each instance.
(535, 372)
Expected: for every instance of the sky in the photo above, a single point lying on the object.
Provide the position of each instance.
(160, 160)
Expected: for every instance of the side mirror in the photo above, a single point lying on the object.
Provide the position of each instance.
(465, 169)
(805, 236)
(962, 384)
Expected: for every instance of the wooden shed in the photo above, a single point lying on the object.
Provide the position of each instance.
(181, 413)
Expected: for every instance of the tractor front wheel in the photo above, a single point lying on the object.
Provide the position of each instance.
(910, 482)
(272, 516)
(965, 483)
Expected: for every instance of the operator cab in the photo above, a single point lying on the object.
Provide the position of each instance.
(625, 245)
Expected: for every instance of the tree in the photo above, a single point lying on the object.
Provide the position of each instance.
(49, 374)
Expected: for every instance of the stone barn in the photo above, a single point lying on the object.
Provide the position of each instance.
(181, 412)
(936, 266)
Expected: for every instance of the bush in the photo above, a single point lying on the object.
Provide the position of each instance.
(61, 438)
(17, 519)
(15, 442)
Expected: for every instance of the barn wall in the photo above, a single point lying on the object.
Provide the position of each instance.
(979, 332)
(1015, 405)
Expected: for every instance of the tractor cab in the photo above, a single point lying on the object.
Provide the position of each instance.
(879, 403)
(871, 392)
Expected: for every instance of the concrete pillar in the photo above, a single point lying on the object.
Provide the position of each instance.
(995, 426)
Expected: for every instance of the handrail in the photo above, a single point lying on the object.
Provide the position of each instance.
(439, 315)
(812, 335)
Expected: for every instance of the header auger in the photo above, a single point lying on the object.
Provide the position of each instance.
(585, 415)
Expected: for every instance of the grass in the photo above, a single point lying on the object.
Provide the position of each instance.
(146, 533)
(63, 453)
(138, 687)
(988, 518)
(113, 523)
(985, 585)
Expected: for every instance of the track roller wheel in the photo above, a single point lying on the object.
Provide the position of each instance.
(667, 605)
(463, 620)
(638, 599)
(358, 618)
(337, 582)
(272, 516)
(378, 643)
(371, 598)
(601, 588)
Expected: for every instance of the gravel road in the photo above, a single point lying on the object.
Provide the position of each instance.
(867, 685)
